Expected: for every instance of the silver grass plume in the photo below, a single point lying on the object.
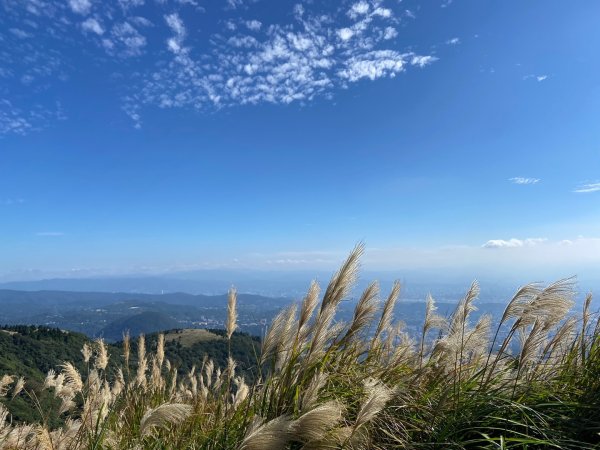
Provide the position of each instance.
(343, 280)
(321, 333)
(101, 355)
(86, 351)
(272, 435)
(405, 353)
(531, 342)
(465, 307)
(477, 340)
(50, 380)
(126, 347)
(5, 382)
(72, 377)
(450, 349)
(163, 416)
(307, 309)
(311, 393)
(378, 395)
(585, 319)
(160, 350)
(365, 310)
(18, 387)
(432, 319)
(560, 343)
(231, 365)
(519, 302)
(142, 361)
(314, 424)
(43, 439)
(209, 369)
(231, 313)
(242, 391)
(385, 322)
(287, 336)
(273, 336)
(550, 305)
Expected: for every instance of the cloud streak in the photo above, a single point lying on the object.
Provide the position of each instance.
(513, 243)
(524, 180)
(587, 188)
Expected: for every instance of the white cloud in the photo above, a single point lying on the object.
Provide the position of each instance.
(92, 25)
(359, 9)
(453, 41)
(176, 25)
(345, 34)
(389, 33)
(80, 6)
(253, 25)
(373, 65)
(587, 188)
(538, 78)
(312, 53)
(124, 41)
(422, 61)
(524, 180)
(513, 243)
(383, 12)
(21, 120)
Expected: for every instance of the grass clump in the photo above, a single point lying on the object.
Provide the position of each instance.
(533, 382)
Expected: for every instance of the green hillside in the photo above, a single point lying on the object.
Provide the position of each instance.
(143, 323)
(31, 351)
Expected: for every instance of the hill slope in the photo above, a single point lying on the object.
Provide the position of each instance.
(31, 351)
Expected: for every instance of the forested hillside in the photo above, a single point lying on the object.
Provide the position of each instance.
(31, 351)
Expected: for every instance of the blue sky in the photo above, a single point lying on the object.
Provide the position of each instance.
(158, 135)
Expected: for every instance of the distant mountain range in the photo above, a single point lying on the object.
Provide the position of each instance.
(293, 285)
(97, 313)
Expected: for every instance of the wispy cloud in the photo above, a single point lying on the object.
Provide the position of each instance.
(50, 233)
(93, 26)
(524, 180)
(282, 63)
(587, 188)
(453, 41)
(80, 6)
(313, 53)
(20, 120)
(538, 78)
(513, 243)
(253, 25)
(176, 25)
(124, 41)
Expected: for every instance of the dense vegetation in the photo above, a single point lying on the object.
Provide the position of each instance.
(31, 352)
(322, 384)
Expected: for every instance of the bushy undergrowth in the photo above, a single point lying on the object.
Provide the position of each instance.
(534, 382)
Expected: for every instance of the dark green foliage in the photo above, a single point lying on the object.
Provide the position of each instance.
(144, 323)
